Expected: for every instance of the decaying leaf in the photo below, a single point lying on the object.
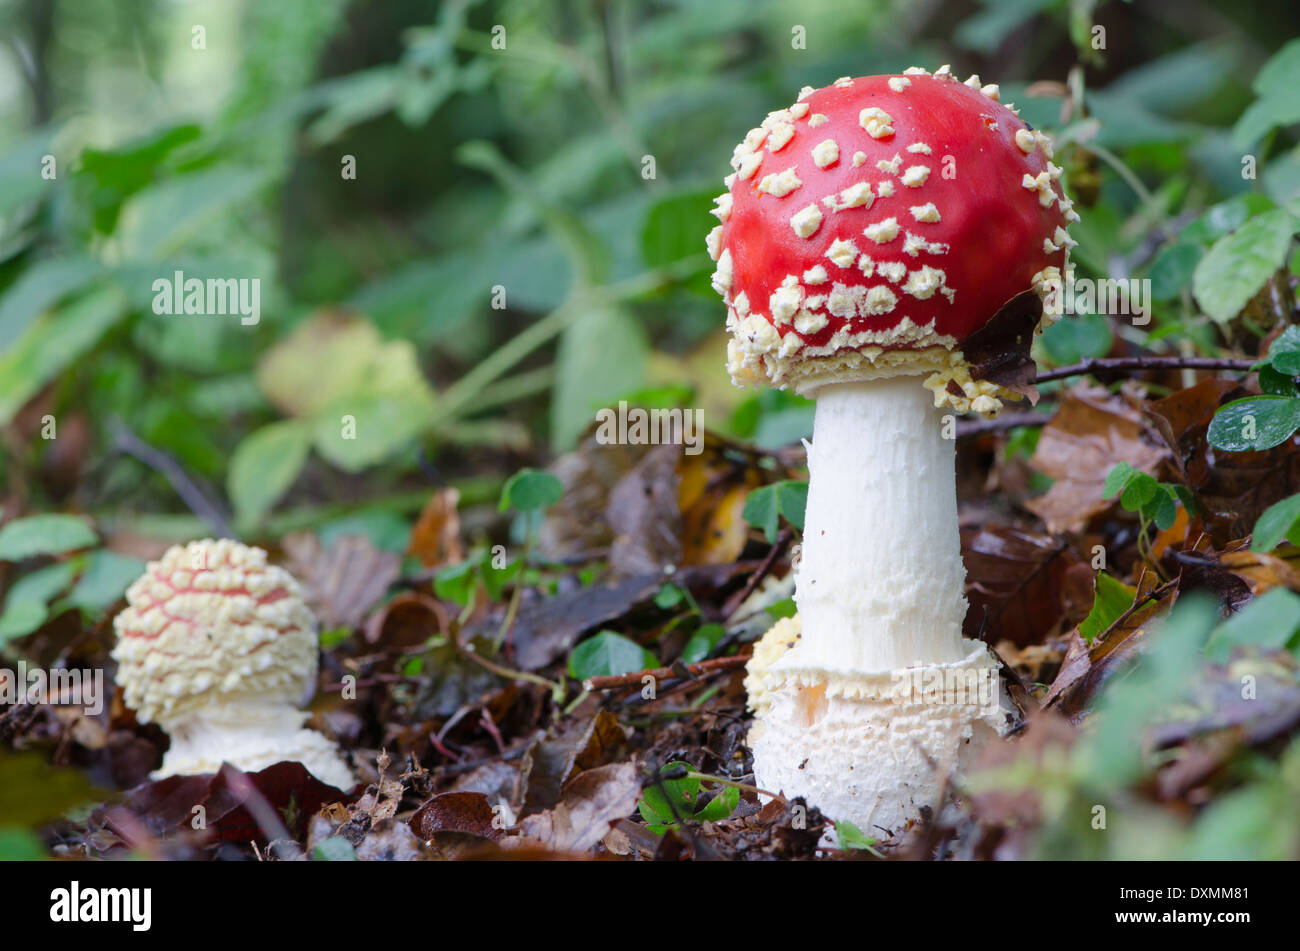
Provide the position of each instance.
(344, 581)
(468, 812)
(572, 748)
(1021, 578)
(591, 802)
(435, 539)
(1091, 432)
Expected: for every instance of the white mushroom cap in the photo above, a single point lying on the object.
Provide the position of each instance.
(211, 623)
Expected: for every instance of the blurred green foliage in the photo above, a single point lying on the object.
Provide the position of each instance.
(475, 225)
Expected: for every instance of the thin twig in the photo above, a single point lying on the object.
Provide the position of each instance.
(1112, 364)
(664, 673)
(735, 601)
(131, 444)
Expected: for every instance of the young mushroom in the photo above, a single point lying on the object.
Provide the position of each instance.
(219, 649)
(870, 235)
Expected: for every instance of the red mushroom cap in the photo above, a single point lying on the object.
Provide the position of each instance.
(876, 224)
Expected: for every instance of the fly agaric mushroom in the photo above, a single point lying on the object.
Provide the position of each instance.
(219, 649)
(871, 235)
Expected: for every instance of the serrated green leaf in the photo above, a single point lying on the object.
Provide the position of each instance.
(1239, 263)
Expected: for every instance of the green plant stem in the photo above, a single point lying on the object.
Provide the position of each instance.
(1135, 183)
(731, 782)
(555, 687)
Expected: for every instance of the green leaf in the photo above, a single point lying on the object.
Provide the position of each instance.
(42, 585)
(607, 655)
(40, 286)
(703, 642)
(20, 169)
(1239, 263)
(44, 535)
(1254, 423)
(26, 605)
(1276, 522)
(54, 342)
(1117, 479)
(164, 217)
(1284, 352)
(1110, 600)
(456, 582)
(106, 577)
(334, 849)
(1270, 620)
(720, 806)
(848, 836)
(363, 430)
(602, 353)
(1140, 490)
(496, 579)
(1277, 104)
(1276, 383)
(1219, 219)
(529, 490)
(263, 467)
(1071, 339)
(1172, 270)
(765, 505)
(669, 596)
(674, 227)
(33, 793)
(21, 619)
(20, 845)
(1163, 508)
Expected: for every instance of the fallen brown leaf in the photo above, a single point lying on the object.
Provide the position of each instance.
(591, 802)
(1091, 432)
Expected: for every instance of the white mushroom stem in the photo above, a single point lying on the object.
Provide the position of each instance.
(251, 736)
(868, 700)
(880, 578)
